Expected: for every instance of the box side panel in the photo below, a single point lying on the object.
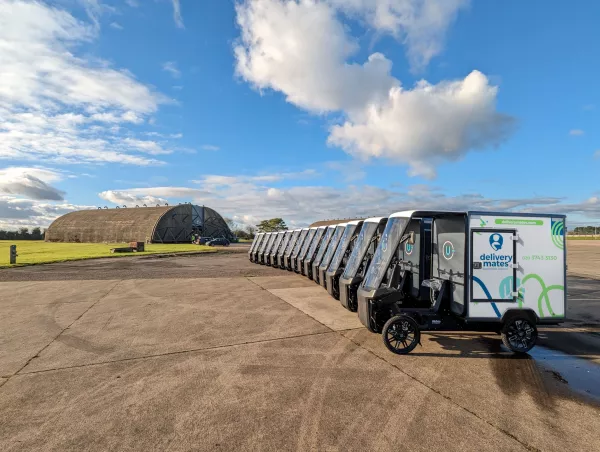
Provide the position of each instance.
(540, 276)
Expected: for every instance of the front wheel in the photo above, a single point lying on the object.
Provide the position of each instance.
(519, 334)
(401, 334)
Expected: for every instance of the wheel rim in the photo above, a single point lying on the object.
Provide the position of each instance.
(401, 334)
(521, 334)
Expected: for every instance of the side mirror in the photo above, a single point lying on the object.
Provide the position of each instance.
(408, 238)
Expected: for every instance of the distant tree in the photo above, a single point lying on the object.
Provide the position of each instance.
(272, 225)
(251, 231)
(36, 234)
(241, 234)
(22, 234)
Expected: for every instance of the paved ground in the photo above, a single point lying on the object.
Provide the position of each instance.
(216, 353)
(583, 258)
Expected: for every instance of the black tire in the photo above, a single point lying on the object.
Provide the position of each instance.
(519, 334)
(401, 334)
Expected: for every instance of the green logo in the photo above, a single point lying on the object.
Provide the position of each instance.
(448, 250)
(558, 234)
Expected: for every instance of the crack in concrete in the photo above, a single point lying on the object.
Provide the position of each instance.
(59, 334)
(178, 352)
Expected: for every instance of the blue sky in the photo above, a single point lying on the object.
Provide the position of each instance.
(302, 110)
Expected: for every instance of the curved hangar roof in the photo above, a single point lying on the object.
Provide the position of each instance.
(163, 224)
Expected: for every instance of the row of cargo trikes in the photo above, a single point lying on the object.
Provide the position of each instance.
(414, 271)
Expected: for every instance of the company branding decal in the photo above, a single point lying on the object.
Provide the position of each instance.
(408, 248)
(448, 250)
(558, 233)
(495, 260)
(496, 242)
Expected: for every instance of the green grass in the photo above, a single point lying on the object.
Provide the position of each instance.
(40, 252)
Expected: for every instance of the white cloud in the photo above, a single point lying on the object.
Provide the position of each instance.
(16, 213)
(150, 147)
(49, 97)
(420, 24)
(427, 125)
(149, 196)
(171, 68)
(249, 199)
(177, 14)
(303, 50)
(116, 26)
(132, 3)
(130, 199)
(597, 154)
(209, 147)
(576, 132)
(32, 183)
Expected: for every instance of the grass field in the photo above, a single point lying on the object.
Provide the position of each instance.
(40, 252)
(583, 237)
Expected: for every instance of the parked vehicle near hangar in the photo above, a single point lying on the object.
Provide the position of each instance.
(333, 243)
(219, 241)
(359, 260)
(270, 259)
(340, 258)
(284, 244)
(285, 258)
(299, 262)
(320, 252)
(255, 246)
(474, 271)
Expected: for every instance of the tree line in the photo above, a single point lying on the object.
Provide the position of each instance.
(248, 232)
(22, 234)
(585, 230)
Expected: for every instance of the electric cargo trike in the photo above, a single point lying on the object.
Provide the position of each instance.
(275, 248)
(298, 263)
(261, 247)
(284, 244)
(340, 258)
(307, 260)
(333, 244)
(475, 271)
(322, 248)
(359, 260)
(255, 245)
(285, 263)
(262, 258)
(297, 248)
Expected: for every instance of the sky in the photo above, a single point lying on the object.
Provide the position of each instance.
(300, 109)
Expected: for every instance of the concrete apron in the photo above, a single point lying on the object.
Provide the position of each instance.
(314, 301)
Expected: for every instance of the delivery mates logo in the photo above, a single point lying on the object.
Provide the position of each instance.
(494, 260)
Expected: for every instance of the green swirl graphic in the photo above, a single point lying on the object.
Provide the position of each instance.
(557, 234)
(543, 295)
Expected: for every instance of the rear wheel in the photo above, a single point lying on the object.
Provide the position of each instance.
(519, 334)
(401, 334)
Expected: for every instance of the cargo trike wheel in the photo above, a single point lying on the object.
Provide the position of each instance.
(519, 334)
(401, 334)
